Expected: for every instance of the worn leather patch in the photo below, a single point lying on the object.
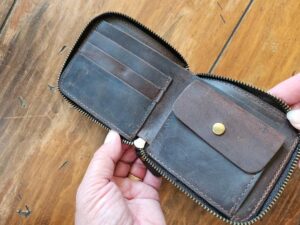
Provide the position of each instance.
(248, 142)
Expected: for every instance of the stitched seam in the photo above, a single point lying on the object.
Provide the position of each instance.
(260, 102)
(239, 198)
(166, 82)
(128, 51)
(118, 78)
(149, 108)
(162, 89)
(209, 199)
(270, 185)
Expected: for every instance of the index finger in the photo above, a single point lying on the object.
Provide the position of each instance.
(288, 90)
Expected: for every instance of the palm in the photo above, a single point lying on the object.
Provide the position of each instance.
(141, 200)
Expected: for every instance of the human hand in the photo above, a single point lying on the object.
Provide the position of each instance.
(107, 196)
(289, 91)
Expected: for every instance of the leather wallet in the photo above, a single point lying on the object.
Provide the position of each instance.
(225, 144)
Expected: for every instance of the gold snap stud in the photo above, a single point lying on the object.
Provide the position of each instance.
(218, 129)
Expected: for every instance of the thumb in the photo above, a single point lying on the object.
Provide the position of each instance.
(103, 163)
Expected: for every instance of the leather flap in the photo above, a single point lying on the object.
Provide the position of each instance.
(248, 142)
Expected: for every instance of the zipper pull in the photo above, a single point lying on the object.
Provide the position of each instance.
(139, 143)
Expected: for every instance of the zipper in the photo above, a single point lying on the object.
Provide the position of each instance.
(135, 22)
(285, 107)
(143, 155)
(141, 151)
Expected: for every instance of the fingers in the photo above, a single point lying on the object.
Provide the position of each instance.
(136, 189)
(152, 180)
(138, 169)
(116, 159)
(102, 165)
(124, 165)
(130, 164)
(288, 90)
(122, 169)
(129, 155)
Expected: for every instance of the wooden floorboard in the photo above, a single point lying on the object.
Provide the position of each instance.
(266, 48)
(45, 145)
(6, 7)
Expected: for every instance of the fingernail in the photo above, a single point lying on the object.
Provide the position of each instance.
(294, 117)
(111, 137)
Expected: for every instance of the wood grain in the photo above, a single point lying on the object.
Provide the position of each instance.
(266, 48)
(5, 8)
(45, 144)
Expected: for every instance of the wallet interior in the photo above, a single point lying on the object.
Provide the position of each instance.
(126, 77)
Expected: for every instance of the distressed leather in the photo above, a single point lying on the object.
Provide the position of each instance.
(264, 143)
(125, 77)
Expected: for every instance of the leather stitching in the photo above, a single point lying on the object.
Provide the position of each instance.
(264, 104)
(239, 198)
(200, 192)
(165, 83)
(147, 111)
(270, 185)
(209, 199)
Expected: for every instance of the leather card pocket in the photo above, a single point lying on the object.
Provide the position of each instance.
(222, 172)
(105, 96)
(140, 49)
(113, 84)
(124, 73)
(129, 59)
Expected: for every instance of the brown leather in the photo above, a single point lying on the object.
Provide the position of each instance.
(120, 71)
(200, 106)
(124, 76)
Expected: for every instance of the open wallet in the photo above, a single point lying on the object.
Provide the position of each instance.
(225, 144)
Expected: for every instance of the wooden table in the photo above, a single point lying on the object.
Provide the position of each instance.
(45, 145)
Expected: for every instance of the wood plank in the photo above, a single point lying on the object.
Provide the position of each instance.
(6, 7)
(264, 51)
(45, 144)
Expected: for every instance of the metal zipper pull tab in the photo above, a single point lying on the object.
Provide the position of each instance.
(139, 143)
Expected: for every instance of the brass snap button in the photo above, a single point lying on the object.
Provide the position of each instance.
(218, 129)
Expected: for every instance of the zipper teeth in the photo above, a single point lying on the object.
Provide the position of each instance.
(186, 66)
(285, 106)
(145, 158)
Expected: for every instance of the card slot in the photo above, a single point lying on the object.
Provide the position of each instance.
(105, 97)
(137, 47)
(144, 37)
(200, 167)
(129, 59)
(109, 64)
